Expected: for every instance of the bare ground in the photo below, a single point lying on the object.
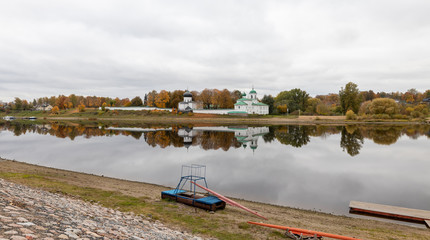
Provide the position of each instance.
(234, 219)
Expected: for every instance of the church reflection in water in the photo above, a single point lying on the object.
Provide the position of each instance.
(244, 135)
(351, 138)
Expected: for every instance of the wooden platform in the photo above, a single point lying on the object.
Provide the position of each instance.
(401, 213)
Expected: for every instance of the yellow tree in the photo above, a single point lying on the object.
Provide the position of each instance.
(55, 110)
(162, 99)
(216, 98)
(225, 100)
(206, 98)
(151, 98)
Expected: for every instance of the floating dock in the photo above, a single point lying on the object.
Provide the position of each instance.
(401, 213)
(189, 196)
(210, 203)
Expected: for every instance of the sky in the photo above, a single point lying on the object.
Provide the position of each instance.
(128, 48)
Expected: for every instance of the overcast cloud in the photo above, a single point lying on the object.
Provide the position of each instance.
(127, 48)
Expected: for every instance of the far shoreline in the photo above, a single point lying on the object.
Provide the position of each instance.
(214, 119)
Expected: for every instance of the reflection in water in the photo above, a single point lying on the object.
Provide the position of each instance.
(220, 137)
(351, 140)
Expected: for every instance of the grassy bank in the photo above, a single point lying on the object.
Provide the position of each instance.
(142, 198)
(167, 117)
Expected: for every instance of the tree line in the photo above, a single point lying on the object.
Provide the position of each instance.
(294, 101)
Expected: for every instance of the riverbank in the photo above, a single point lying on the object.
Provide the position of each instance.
(27, 213)
(144, 199)
(169, 118)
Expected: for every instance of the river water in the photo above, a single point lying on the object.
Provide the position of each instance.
(318, 167)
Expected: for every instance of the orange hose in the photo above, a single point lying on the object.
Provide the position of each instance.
(298, 230)
(229, 201)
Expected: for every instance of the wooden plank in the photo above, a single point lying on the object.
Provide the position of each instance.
(390, 211)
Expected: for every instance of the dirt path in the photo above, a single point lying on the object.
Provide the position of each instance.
(232, 219)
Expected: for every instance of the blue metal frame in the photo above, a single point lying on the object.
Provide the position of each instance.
(193, 172)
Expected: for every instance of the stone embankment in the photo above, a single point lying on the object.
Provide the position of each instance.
(27, 213)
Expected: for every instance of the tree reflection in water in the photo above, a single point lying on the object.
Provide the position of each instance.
(221, 137)
(351, 139)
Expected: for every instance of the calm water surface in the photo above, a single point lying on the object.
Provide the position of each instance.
(310, 167)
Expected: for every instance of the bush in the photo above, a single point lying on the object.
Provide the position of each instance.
(350, 115)
(190, 114)
(409, 110)
(400, 116)
(416, 114)
(364, 108)
(383, 106)
(381, 116)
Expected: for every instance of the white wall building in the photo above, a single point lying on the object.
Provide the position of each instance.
(251, 105)
(187, 105)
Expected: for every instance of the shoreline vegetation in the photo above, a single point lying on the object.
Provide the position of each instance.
(230, 223)
(94, 114)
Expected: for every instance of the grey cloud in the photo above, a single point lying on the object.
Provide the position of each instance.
(105, 47)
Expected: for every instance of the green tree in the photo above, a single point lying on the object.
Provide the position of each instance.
(269, 100)
(312, 105)
(137, 101)
(18, 103)
(349, 98)
(295, 99)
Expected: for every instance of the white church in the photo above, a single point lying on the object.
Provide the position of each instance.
(243, 105)
(188, 105)
(251, 105)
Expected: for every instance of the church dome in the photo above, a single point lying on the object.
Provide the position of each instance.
(188, 94)
(252, 91)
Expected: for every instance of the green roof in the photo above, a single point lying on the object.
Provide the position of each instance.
(244, 99)
(259, 104)
(253, 147)
(240, 103)
(253, 91)
(237, 112)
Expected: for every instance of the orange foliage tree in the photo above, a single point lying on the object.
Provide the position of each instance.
(55, 110)
(162, 99)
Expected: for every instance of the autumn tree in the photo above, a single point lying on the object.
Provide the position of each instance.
(61, 102)
(136, 101)
(151, 98)
(206, 98)
(125, 102)
(162, 99)
(176, 97)
(225, 100)
(349, 98)
(55, 110)
(81, 108)
(74, 100)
